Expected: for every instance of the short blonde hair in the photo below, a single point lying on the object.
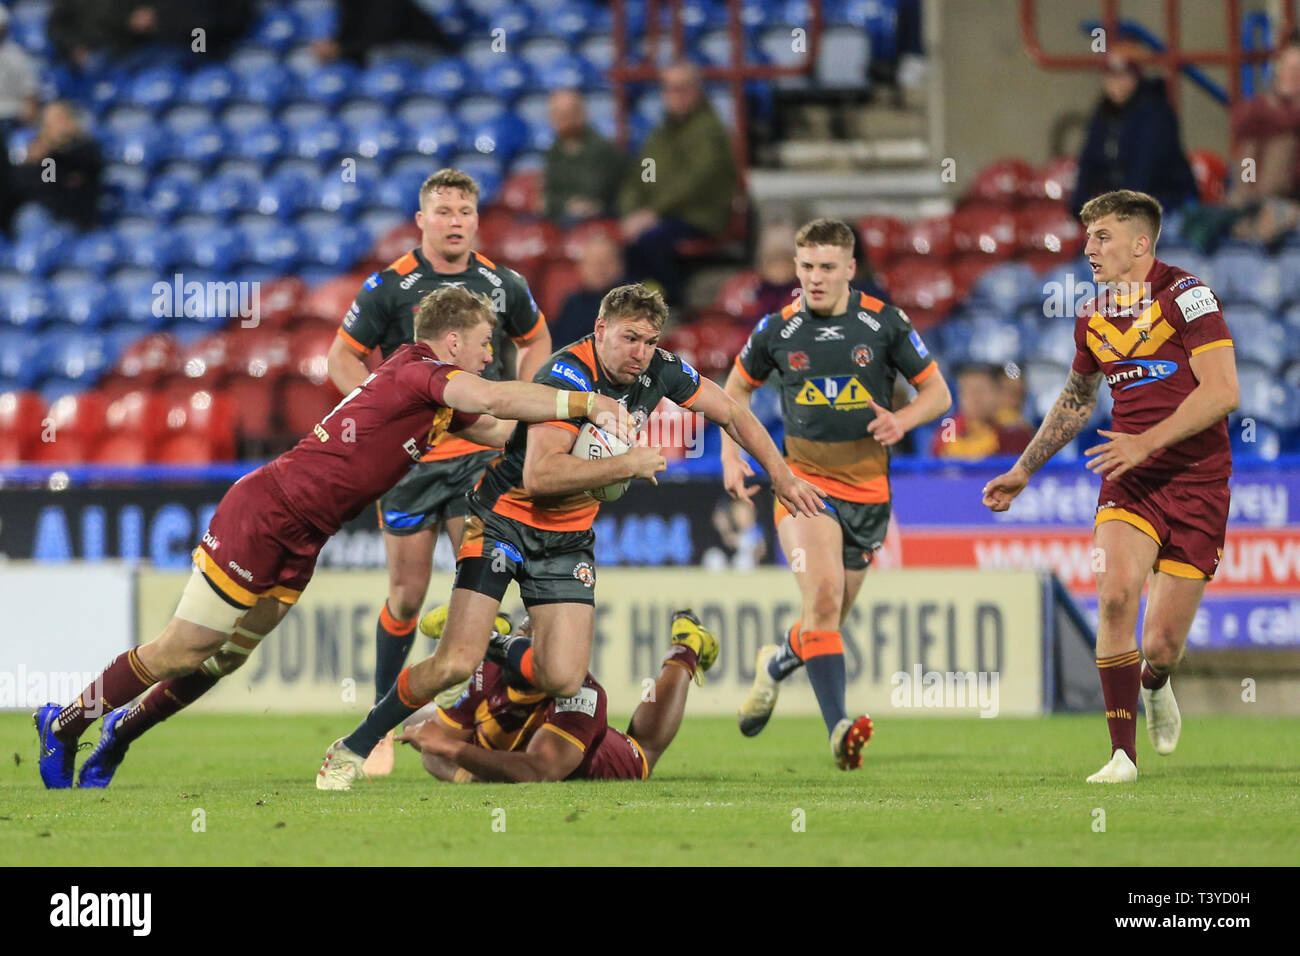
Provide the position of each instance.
(1124, 204)
(449, 309)
(634, 301)
(825, 232)
(448, 179)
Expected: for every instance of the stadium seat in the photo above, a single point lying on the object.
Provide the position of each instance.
(560, 278)
(22, 417)
(379, 139)
(26, 305)
(1248, 278)
(527, 244)
(330, 301)
(882, 237)
(1211, 174)
(303, 403)
(1043, 383)
(1264, 398)
(923, 288)
(1044, 226)
(720, 339)
(967, 271)
(260, 142)
(389, 81)
(1002, 181)
(336, 246)
(146, 360)
(226, 195)
(1055, 343)
(447, 79)
(927, 237)
(81, 300)
(985, 228)
(1007, 287)
(522, 192)
(210, 86)
(122, 448)
(1054, 180)
(396, 242)
(1258, 337)
(737, 295)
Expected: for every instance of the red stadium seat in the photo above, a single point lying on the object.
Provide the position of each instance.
(1003, 180)
(80, 416)
(261, 353)
(882, 237)
(522, 192)
(281, 302)
(925, 290)
(738, 295)
(311, 346)
(525, 245)
(22, 416)
(252, 401)
(397, 242)
(558, 281)
(719, 340)
(199, 417)
(140, 414)
(1054, 180)
(1211, 174)
(1044, 226)
(330, 301)
(125, 448)
(494, 228)
(209, 358)
(731, 244)
(303, 403)
(148, 359)
(927, 237)
(684, 340)
(966, 270)
(986, 229)
(186, 448)
(579, 235)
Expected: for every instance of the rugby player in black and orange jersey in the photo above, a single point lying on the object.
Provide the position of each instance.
(530, 518)
(835, 353)
(503, 729)
(260, 548)
(1157, 335)
(432, 494)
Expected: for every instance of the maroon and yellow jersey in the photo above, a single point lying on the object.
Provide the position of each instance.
(503, 718)
(364, 446)
(1144, 345)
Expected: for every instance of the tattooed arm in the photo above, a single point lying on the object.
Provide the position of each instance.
(1070, 413)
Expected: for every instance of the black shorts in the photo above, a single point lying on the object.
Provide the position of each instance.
(431, 492)
(552, 567)
(862, 524)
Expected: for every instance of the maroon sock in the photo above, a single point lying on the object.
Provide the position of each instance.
(1120, 676)
(123, 680)
(1150, 679)
(167, 698)
(684, 655)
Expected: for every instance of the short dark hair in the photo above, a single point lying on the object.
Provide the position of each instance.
(1125, 204)
(634, 301)
(448, 178)
(992, 372)
(449, 309)
(825, 232)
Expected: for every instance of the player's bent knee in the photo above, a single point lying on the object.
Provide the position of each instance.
(233, 653)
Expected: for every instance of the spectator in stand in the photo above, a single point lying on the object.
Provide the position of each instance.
(1014, 430)
(365, 25)
(687, 193)
(974, 432)
(1268, 130)
(601, 268)
(778, 285)
(68, 187)
(583, 169)
(80, 29)
(18, 84)
(1133, 140)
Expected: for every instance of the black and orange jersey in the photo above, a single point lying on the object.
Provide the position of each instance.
(829, 369)
(383, 316)
(1144, 344)
(576, 368)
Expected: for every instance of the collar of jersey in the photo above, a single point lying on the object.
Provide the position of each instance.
(419, 257)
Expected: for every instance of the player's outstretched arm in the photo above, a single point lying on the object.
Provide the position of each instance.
(1069, 415)
(737, 421)
(548, 757)
(529, 402)
(734, 467)
(493, 432)
(550, 470)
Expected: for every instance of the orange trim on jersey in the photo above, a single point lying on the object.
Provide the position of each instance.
(1128, 517)
(446, 718)
(745, 375)
(1216, 344)
(645, 764)
(565, 734)
(874, 492)
(404, 264)
(694, 395)
(541, 324)
(870, 302)
(925, 373)
(364, 350)
(1181, 569)
(567, 426)
(224, 582)
(579, 519)
(789, 311)
(485, 260)
(585, 352)
(453, 447)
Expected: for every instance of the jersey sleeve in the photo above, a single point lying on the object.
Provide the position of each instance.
(522, 320)
(755, 362)
(1085, 363)
(579, 719)
(367, 318)
(439, 375)
(1196, 313)
(681, 382)
(907, 352)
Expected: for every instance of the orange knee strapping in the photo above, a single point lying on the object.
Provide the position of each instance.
(404, 693)
(393, 626)
(819, 643)
(526, 666)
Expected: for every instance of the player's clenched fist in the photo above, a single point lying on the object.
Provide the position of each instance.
(885, 427)
(646, 462)
(799, 497)
(999, 492)
(612, 416)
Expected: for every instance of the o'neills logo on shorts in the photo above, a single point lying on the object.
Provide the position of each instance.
(246, 575)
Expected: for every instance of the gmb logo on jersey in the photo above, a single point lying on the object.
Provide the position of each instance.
(835, 391)
(1142, 372)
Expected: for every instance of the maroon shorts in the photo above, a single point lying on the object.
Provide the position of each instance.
(256, 547)
(617, 757)
(1188, 519)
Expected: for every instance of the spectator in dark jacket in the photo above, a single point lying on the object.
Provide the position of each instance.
(1133, 140)
(583, 169)
(61, 171)
(601, 268)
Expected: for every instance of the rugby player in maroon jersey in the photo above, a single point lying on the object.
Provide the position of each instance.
(260, 549)
(1157, 335)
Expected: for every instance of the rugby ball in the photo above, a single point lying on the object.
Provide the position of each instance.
(593, 443)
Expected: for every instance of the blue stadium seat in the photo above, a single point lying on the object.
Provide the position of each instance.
(1055, 342)
(278, 247)
(953, 339)
(155, 87)
(378, 221)
(544, 49)
(1264, 398)
(135, 292)
(317, 19)
(338, 246)
(26, 305)
(517, 19)
(437, 139)
(487, 170)
(570, 73)
(210, 86)
(501, 137)
(128, 117)
(1288, 266)
(1246, 277)
(269, 87)
(319, 140)
(188, 118)
(82, 300)
(401, 191)
(19, 358)
(389, 82)
(261, 143)
(298, 113)
(572, 20)
(447, 79)
(278, 28)
(288, 190)
(1258, 440)
(417, 111)
(482, 53)
(238, 118)
(332, 82)
(98, 251)
(204, 146)
(146, 147)
(598, 50)
(411, 164)
(333, 195)
(1257, 336)
(1007, 287)
(249, 58)
(508, 81)
(34, 219)
(202, 244)
(172, 193)
(360, 111)
(40, 254)
(996, 341)
(226, 195)
(145, 245)
(379, 139)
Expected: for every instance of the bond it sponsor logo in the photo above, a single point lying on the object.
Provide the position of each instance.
(1140, 372)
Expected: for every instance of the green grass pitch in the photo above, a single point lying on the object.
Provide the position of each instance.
(932, 791)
